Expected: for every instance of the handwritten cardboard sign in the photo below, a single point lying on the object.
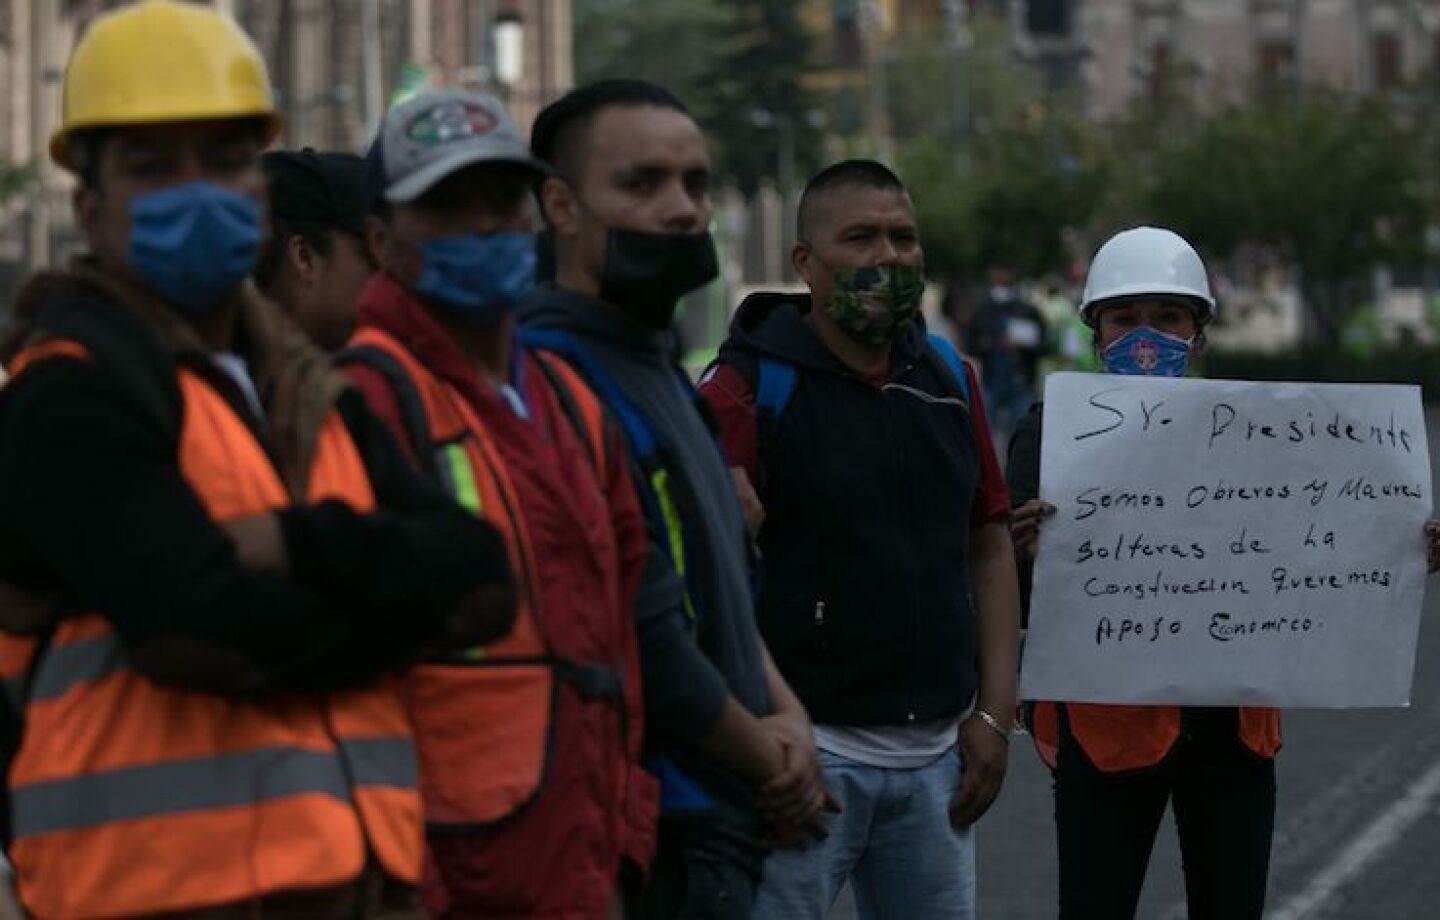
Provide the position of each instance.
(1228, 543)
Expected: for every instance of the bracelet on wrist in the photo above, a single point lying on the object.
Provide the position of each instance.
(992, 723)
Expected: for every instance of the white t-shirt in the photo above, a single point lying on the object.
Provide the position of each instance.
(901, 747)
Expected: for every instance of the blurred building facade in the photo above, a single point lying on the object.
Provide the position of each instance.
(1117, 52)
(336, 65)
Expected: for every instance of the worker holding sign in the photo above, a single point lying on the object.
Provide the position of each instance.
(1116, 766)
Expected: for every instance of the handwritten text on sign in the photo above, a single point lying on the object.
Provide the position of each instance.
(1226, 543)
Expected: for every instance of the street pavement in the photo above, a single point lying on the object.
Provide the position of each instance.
(1357, 823)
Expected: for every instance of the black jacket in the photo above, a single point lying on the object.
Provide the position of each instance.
(93, 508)
(865, 596)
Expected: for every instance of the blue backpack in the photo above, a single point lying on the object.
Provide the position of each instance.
(775, 379)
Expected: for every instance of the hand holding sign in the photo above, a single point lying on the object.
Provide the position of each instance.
(1228, 543)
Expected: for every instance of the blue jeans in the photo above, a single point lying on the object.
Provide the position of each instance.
(893, 842)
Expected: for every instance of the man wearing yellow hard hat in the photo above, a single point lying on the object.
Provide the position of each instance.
(209, 721)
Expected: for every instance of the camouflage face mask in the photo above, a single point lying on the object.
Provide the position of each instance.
(874, 304)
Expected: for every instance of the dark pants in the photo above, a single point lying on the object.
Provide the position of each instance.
(1224, 800)
(690, 883)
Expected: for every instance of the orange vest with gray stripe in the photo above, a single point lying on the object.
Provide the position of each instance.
(128, 798)
(483, 719)
(1120, 738)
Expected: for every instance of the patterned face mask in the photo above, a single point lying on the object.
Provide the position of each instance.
(874, 304)
(1145, 352)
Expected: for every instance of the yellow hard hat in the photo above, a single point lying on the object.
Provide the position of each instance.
(162, 61)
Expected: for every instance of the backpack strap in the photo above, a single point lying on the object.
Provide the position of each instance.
(774, 385)
(938, 346)
(656, 487)
(407, 397)
(580, 406)
(637, 430)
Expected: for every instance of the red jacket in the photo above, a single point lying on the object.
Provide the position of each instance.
(559, 854)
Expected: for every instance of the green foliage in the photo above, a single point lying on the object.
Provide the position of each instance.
(997, 176)
(1333, 182)
(757, 111)
(675, 43)
(736, 63)
(16, 179)
(1037, 173)
(1027, 180)
(945, 207)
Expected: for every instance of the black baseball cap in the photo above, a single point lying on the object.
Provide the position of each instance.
(311, 187)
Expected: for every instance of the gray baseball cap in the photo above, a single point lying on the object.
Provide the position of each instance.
(440, 131)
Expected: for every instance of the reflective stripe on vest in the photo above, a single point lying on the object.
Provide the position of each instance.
(1120, 738)
(133, 799)
(78, 663)
(220, 781)
(482, 718)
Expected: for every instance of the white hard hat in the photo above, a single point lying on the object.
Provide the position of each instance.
(1146, 260)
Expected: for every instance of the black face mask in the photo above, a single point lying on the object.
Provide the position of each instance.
(647, 273)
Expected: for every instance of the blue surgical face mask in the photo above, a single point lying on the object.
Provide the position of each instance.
(1143, 351)
(477, 276)
(194, 243)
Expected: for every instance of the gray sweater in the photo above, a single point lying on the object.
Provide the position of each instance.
(687, 678)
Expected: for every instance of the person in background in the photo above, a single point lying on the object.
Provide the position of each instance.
(314, 262)
(1009, 337)
(1070, 346)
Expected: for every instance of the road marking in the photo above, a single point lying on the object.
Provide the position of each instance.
(1382, 834)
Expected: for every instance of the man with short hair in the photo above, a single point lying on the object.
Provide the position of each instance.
(208, 723)
(627, 212)
(530, 771)
(884, 514)
(315, 263)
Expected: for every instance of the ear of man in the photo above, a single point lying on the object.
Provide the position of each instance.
(86, 205)
(801, 259)
(377, 238)
(558, 206)
(301, 258)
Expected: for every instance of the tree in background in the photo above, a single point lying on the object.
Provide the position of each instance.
(1005, 186)
(15, 179)
(1334, 182)
(758, 112)
(737, 64)
(675, 43)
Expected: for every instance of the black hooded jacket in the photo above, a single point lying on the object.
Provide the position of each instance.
(868, 489)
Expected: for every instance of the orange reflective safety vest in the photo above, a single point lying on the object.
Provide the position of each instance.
(128, 798)
(483, 719)
(1119, 738)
